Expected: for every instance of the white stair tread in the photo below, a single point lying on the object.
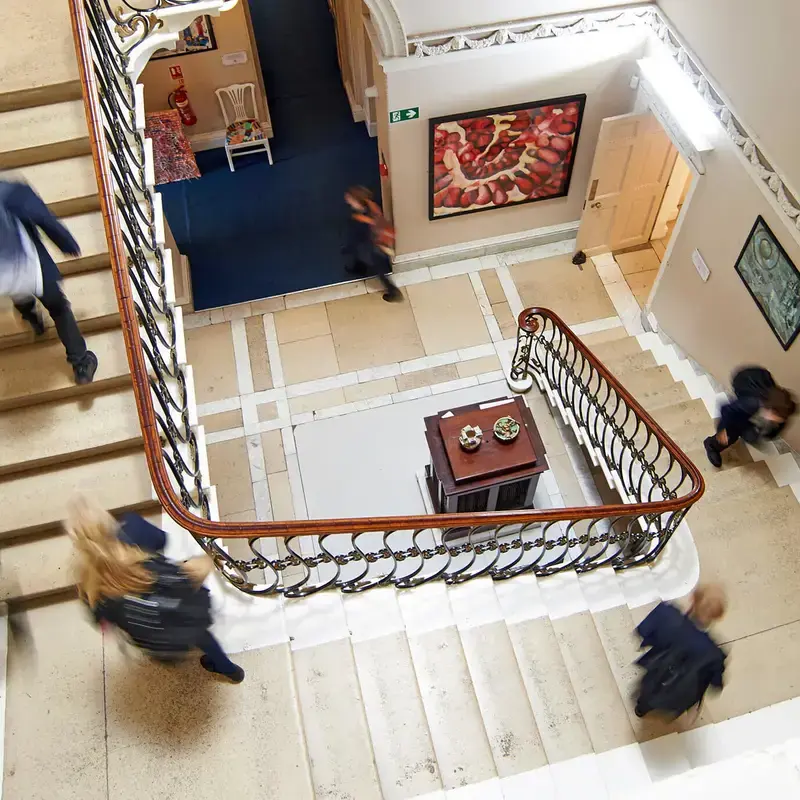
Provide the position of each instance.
(550, 691)
(401, 740)
(91, 294)
(88, 231)
(68, 429)
(598, 697)
(43, 51)
(119, 481)
(454, 716)
(66, 179)
(339, 746)
(507, 716)
(41, 371)
(42, 125)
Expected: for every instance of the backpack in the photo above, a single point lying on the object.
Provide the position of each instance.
(677, 680)
(752, 382)
(168, 620)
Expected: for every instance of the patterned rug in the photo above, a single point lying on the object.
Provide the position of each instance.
(174, 159)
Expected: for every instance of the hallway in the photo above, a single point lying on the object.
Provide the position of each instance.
(278, 229)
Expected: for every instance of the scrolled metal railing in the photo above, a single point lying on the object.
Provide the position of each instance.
(299, 558)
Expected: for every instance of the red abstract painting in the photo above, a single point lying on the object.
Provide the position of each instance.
(503, 156)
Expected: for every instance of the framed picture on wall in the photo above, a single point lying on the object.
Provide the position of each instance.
(500, 157)
(197, 38)
(772, 280)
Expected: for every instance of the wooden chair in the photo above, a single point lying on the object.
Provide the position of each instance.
(243, 132)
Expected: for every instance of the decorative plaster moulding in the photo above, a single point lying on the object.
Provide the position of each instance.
(646, 16)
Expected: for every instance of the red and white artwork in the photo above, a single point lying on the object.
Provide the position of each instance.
(502, 157)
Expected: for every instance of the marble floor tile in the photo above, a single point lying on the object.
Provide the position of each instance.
(268, 305)
(370, 389)
(223, 421)
(229, 466)
(304, 322)
(280, 492)
(369, 332)
(267, 411)
(477, 366)
(426, 377)
(309, 359)
(316, 401)
(641, 284)
(272, 445)
(638, 261)
(257, 349)
(448, 314)
(556, 283)
(492, 286)
(210, 352)
(505, 319)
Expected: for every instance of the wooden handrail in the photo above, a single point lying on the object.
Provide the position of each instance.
(198, 526)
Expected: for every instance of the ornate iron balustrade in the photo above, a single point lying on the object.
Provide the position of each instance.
(302, 557)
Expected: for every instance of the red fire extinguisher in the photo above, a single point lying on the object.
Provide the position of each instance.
(180, 99)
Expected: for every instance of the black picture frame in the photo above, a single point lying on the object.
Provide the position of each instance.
(212, 42)
(786, 342)
(580, 99)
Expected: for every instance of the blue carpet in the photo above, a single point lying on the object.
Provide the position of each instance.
(262, 230)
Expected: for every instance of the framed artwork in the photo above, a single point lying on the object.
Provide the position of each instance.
(197, 38)
(506, 156)
(772, 280)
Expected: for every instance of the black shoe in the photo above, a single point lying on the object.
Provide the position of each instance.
(233, 677)
(393, 297)
(714, 456)
(639, 711)
(37, 323)
(84, 372)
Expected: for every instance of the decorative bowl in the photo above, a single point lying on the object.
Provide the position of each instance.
(470, 437)
(506, 429)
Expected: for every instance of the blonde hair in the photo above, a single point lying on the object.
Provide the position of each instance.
(106, 567)
(708, 603)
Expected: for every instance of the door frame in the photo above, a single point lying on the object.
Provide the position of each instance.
(648, 98)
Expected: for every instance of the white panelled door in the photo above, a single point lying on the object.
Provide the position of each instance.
(631, 169)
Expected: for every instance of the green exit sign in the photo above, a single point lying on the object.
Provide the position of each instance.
(404, 114)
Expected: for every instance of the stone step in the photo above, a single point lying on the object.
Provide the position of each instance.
(599, 699)
(601, 337)
(626, 365)
(28, 157)
(43, 51)
(507, 716)
(610, 352)
(656, 399)
(452, 709)
(119, 482)
(88, 231)
(747, 479)
(94, 303)
(753, 529)
(550, 690)
(336, 731)
(39, 96)
(648, 381)
(39, 565)
(67, 430)
(39, 373)
(404, 754)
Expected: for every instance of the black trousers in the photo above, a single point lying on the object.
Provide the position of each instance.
(58, 307)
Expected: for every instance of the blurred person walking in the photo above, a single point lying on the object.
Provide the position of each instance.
(28, 272)
(369, 244)
(759, 412)
(682, 661)
(161, 606)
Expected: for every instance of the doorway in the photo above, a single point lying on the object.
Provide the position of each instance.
(637, 191)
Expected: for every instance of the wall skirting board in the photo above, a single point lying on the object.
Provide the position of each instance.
(486, 247)
(480, 41)
(213, 139)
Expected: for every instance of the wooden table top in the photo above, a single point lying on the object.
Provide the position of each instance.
(466, 415)
(493, 457)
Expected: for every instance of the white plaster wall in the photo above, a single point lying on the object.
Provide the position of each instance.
(750, 50)
(425, 16)
(599, 65)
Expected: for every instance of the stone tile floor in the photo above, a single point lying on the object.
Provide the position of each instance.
(260, 369)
